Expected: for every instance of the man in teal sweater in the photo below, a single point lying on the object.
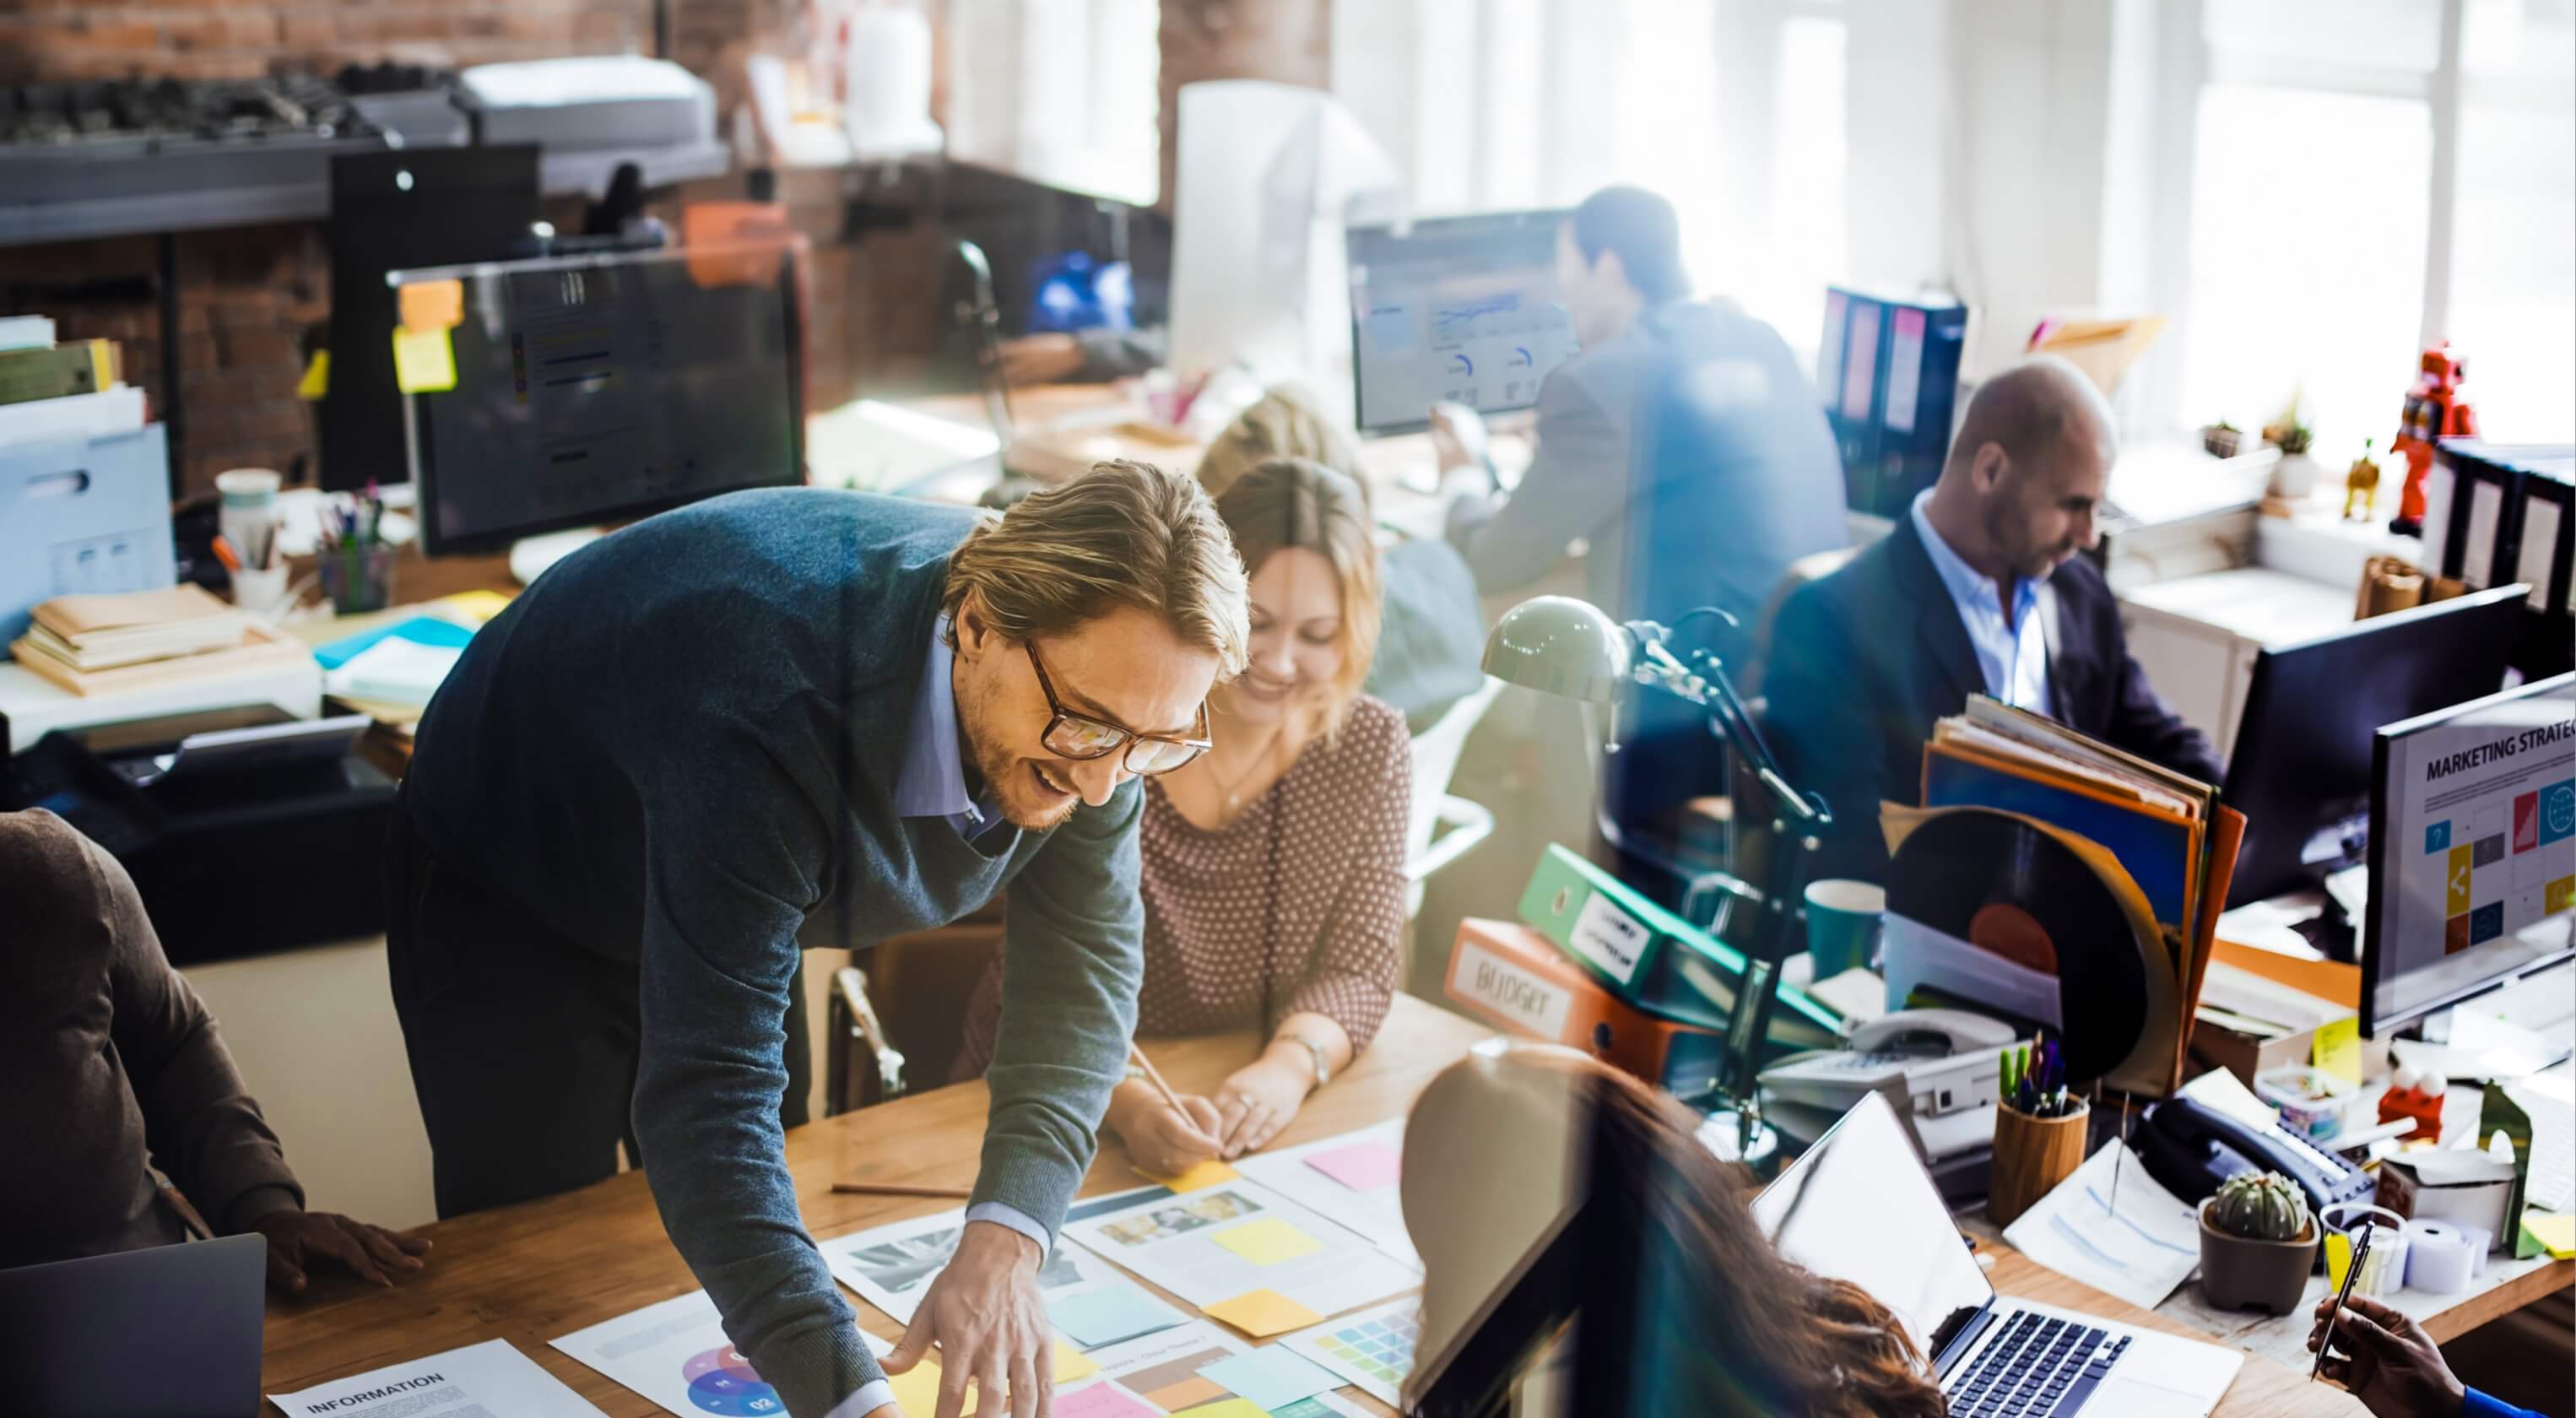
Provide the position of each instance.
(647, 773)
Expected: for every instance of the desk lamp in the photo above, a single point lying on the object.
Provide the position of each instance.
(1570, 648)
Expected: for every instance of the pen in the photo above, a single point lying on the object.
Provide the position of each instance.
(2112, 1207)
(898, 1189)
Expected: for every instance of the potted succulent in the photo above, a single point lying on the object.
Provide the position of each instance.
(2295, 476)
(2222, 439)
(2257, 1244)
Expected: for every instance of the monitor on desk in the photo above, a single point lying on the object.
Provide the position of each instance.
(597, 388)
(1461, 309)
(2472, 850)
(2300, 768)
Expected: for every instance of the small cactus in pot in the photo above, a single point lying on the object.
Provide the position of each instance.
(2257, 1243)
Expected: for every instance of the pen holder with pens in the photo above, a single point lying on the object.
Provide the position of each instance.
(2032, 1155)
(358, 578)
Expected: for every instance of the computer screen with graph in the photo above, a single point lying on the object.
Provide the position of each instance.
(1458, 308)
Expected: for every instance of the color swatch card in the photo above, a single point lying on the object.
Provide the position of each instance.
(891, 1266)
(1373, 1349)
(1353, 1178)
(1163, 1368)
(490, 1377)
(676, 1354)
(1214, 1245)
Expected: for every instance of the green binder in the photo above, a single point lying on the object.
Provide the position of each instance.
(1654, 959)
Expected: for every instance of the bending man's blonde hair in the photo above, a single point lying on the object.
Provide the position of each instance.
(1123, 534)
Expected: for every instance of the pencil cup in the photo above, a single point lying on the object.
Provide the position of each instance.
(358, 580)
(260, 592)
(2032, 1155)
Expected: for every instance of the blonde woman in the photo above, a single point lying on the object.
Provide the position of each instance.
(1273, 865)
(1431, 630)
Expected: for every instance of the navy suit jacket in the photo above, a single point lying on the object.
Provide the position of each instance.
(1866, 661)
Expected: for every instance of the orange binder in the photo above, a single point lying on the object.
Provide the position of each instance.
(1510, 975)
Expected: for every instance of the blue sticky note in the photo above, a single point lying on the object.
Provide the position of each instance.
(1271, 1378)
(1115, 1311)
(426, 630)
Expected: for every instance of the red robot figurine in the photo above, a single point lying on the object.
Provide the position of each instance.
(2434, 410)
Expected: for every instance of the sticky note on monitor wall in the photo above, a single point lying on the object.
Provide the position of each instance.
(424, 361)
(432, 305)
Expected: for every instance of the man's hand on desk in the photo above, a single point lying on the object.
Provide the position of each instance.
(985, 1314)
(297, 1238)
(2395, 1370)
(1041, 359)
(1458, 437)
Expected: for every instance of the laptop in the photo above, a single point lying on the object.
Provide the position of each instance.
(169, 1332)
(1858, 1206)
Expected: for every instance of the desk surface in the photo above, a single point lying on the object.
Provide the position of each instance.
(532, 1272)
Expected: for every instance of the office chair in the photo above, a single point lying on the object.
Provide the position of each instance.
(1444, 827)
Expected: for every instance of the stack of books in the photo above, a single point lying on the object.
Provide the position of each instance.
(109, 644)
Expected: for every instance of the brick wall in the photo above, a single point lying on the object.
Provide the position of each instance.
(68, 39)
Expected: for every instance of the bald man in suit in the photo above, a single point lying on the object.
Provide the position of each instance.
(1979, 589)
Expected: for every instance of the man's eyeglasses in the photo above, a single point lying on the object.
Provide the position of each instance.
(1079, 736)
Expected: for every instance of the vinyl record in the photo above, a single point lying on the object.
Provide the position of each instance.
(2010, 889)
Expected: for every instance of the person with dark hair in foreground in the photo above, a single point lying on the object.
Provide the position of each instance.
(115, 1068)
(1737, 1330)
(1683, 453)
(2393, 1366)
(1979, 589)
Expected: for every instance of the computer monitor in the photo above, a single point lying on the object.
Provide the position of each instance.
(2472, 850)
(1269, 177)
(392, 211)
(2300, 768)
(596, 388)
(1462, 309)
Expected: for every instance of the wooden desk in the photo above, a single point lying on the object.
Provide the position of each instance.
(532, 1272)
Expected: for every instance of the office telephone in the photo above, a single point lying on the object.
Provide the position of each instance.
(1939, 1068)
(2190, 1148)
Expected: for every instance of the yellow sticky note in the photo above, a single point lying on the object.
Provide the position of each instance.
(1072, 1364)
(317, 378)
(1206, 1174)
(917, 1392)
(1269, 1241)
(476, 606)
(1230, 1408)
(424, 361)
(2554, 1230)
(1263, 1313)
(2338, 1259)
(2337, 1049)
(432, 305)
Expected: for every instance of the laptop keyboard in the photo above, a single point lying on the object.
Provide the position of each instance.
(2037, 1367)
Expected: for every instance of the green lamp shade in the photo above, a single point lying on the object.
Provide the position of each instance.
(1559, 645)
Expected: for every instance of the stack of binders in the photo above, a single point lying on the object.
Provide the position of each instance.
(1595, 966)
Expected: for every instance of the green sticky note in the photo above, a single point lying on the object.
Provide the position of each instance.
(424, 361)
(2337, 1049)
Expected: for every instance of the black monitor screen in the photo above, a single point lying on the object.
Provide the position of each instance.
(599, 388)
(2473, 849)
(1461, 309)
(2300, 767)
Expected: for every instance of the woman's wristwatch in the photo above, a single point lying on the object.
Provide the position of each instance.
(1323, 1061)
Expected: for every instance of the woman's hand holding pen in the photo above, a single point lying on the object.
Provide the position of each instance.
(1160, 1140)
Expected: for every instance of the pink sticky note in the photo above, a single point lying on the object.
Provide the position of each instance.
(1103, 1400)
(1362, 1166)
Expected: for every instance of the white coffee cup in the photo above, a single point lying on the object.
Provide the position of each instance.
(249, 513)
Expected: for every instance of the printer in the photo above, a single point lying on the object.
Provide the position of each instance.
(246, 830)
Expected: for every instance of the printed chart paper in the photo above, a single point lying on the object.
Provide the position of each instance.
(473, 1382)
(891, 1266)
(2140, 1253)
(1163, 1368)
(1214, 1245)
(676, 1354)
(1373, 1349)
(1352, 1178)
